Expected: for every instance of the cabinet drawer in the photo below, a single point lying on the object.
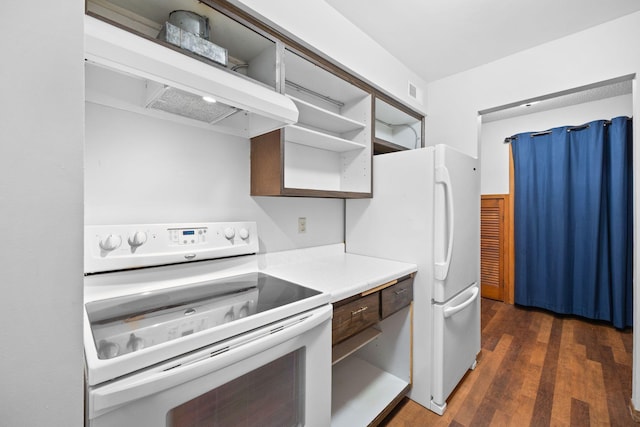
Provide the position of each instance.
(397, 296)
(353, 317)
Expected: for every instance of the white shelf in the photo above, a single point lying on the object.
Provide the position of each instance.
(396, 126)
(323, 141)
(318, 117)
(361, 391)
(300, 71)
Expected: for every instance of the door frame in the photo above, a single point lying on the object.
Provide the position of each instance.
(509, 285)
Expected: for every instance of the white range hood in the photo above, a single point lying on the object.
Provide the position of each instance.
(130, 72)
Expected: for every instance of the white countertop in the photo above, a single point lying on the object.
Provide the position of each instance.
(330, 269)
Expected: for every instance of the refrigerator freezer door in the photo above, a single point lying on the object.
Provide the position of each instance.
(457, 222)
(456, 343)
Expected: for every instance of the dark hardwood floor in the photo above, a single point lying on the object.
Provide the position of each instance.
(537, 369)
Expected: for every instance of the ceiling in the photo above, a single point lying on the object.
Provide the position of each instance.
(438, 38)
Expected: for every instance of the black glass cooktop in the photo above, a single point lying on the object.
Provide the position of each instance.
(130, 323)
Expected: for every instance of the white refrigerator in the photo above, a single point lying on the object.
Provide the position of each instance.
(426, 210)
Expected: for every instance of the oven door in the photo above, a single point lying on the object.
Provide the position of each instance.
(278, 375)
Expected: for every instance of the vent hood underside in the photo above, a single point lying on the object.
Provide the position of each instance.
(185, 104)
(129, 72)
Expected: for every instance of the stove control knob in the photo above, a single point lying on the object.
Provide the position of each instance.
(138, 239)
(135, 343)
(244, 311)
(229, 233)
(111, 242)
(107, 350)
(229, 316)
(244, 233)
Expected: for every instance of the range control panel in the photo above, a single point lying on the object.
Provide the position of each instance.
(118, 247)
(188, 236)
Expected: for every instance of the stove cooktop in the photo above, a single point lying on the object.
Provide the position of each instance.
(130, 323)
(155, 292)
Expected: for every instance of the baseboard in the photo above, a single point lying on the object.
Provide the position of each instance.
(635, 414)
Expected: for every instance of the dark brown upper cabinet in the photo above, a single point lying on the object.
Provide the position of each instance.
(327, 153)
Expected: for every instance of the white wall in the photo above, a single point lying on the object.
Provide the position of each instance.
(315, 24)
(41, 108)
(494, 158)
(595, 55)
(145, 170)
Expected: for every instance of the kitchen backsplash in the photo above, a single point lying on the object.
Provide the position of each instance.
(144, 170)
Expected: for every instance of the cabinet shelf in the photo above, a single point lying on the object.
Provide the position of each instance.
(317, 117)
(361, 391)
(327, 152)
(312, 138)
(396, 129)
(251, 54)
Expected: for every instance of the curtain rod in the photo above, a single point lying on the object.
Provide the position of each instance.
(508, 139)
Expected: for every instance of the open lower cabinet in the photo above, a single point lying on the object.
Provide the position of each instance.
(371, 354)
(327, 153)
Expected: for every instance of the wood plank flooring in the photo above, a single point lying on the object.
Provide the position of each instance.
(537, 369)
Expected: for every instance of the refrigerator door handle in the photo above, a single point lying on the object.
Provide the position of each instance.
(450, 311)
(442, 177)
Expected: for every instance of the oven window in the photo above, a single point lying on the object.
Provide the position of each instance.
(272, 395)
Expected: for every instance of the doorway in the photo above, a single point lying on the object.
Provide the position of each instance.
(599, 101)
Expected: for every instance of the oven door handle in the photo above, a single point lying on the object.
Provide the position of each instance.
(108, 397)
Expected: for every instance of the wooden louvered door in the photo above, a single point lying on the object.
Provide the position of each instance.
(493, 246)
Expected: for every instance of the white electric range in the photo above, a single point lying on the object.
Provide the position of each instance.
(177, 316)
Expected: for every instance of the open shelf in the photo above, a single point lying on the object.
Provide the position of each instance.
(395, 129)
(353, 344)
(316, 139)
(318, 117)
(248, 53)
(285, 168)
(361, 391)
(327, 153)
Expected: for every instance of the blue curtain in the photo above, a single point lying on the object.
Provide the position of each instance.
(574, 220)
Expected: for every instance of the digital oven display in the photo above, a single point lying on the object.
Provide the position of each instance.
(188, 232)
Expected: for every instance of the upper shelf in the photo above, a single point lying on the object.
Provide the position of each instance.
(395, 129)
(303, 77)
(311, 138)
(248, 52)
(318, 117)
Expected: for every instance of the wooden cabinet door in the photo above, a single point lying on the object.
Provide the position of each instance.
(493, 246)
